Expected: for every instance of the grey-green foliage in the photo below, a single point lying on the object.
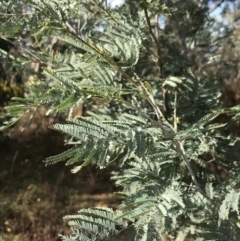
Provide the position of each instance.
(163, 158)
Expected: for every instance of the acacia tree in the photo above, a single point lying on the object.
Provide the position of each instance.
(157, 122)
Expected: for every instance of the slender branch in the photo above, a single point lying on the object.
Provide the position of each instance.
(218, 4)
(178, 144)
(182, 152)
(165, 101)
(106, 11)
(175, 112)
(156, 26)
(159, 54)
(182, 39)
(159, 62)
(104, 55)
(15, 14)
(26, 51)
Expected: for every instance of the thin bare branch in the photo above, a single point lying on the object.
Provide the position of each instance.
(218, 4)
(155, 39)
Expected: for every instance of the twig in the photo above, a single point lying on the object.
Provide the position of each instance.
(182, 39)
(181, 151)
(106, 11)
(102, 54)
(178, 144)
(216, 6)
(175, 112)
(165, 101)
(159, 62)
(25, 50)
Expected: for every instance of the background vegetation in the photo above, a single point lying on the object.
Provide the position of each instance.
(163, 62)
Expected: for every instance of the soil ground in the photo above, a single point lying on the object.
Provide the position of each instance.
(35, 198)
